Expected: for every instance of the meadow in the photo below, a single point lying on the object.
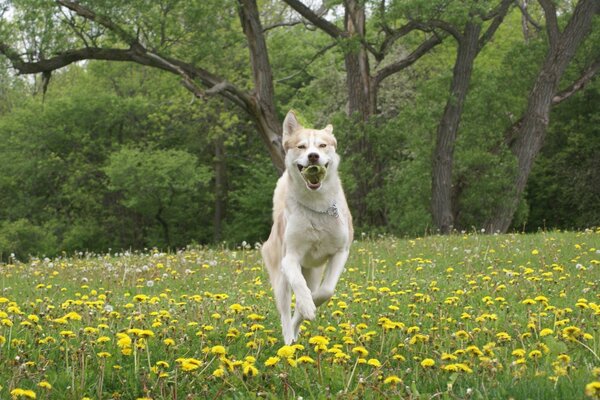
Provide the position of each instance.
(465, 316)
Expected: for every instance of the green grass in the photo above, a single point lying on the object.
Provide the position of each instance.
(496, 316)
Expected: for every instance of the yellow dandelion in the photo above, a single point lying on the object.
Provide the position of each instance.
(392, 380)
(360, 350)
(286, 351)
(45, 385)
(16, 393)
(592, 390)
(428, 363)
(218, 350)
(272, 361)
(374, 362)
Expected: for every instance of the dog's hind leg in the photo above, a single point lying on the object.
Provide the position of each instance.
(281, 289)
(313, 277)
(283, 300)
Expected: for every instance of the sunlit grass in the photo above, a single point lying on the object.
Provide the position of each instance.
(463, 316)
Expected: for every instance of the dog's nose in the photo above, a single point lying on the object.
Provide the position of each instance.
(313, 157)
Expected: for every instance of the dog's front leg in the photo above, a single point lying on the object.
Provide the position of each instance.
(290, 266)
(332, 275)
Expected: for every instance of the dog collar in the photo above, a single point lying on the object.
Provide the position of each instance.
(332, 211)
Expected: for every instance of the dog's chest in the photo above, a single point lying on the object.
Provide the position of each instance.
(317, 237)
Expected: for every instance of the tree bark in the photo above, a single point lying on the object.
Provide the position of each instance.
(263, 106)
(531, 129)
(443, 155)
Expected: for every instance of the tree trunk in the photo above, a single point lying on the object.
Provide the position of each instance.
(358, 77)
(220, 188)
(164, 225)
(262, 108)
(531, 131)
(443, 156)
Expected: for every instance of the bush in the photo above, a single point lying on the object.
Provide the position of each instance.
(23, 239)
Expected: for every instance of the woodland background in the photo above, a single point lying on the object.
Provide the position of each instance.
(134, 124)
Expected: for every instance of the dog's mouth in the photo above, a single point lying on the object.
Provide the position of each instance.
(313, 175)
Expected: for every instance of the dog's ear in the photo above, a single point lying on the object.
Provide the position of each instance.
(332, 141)
(290, 124)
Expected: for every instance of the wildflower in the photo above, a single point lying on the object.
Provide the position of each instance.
(103, 354)
(15, 393)
(305, 360)
(535, 354)
(286, 351)
(360, 350)
(428, 363)
(218, 350)
(392, 380)
(374, 362)
(189, 364)
(272, 361)
(546, 332)
(169, 342)
(45, 385)
(219, 372)
(593, 390)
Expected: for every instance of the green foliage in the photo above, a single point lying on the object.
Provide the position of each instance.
(20, 239)
(158, 184)
(565, 183)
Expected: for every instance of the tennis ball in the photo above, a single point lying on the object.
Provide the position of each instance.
(314, 173)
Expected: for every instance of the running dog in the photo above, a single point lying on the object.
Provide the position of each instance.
(312, 226)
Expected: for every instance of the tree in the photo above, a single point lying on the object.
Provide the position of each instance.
(466, 25)
(75, 31)
(525, 138)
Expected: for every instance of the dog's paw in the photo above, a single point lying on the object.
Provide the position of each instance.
(306, 307)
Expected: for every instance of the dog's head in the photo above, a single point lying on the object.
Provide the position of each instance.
(309, 147)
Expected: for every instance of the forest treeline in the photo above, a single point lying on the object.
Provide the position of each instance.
(129, 125)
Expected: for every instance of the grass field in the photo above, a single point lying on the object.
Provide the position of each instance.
(463, 316)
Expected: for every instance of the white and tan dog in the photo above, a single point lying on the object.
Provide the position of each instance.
(312, 227)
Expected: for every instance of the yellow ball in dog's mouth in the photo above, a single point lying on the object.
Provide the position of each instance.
(314, 173)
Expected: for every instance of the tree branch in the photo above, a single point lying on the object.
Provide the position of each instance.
(407, 61)
(528, 16)
(104, 21)
(443, 25)
(321, 23)
(391, 36)
(580, 83)
(500, 13)
(312, 59)
(551, 21)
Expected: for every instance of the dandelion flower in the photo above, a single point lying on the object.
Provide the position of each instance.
(428, 363)
(593, 390)
(392, 380)
(16, 393)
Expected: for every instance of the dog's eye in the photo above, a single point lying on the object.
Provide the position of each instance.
(302, 147)
(322, 145)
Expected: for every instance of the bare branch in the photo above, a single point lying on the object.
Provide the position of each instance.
(429, 25)
(393, 35)
(312, 59)
(409, 60)
(528, 16)
(102, 20)
(320, 22)
(580, 83)
(499, 14)
(281, 24)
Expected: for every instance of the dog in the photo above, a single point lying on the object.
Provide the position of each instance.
(312, 228)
